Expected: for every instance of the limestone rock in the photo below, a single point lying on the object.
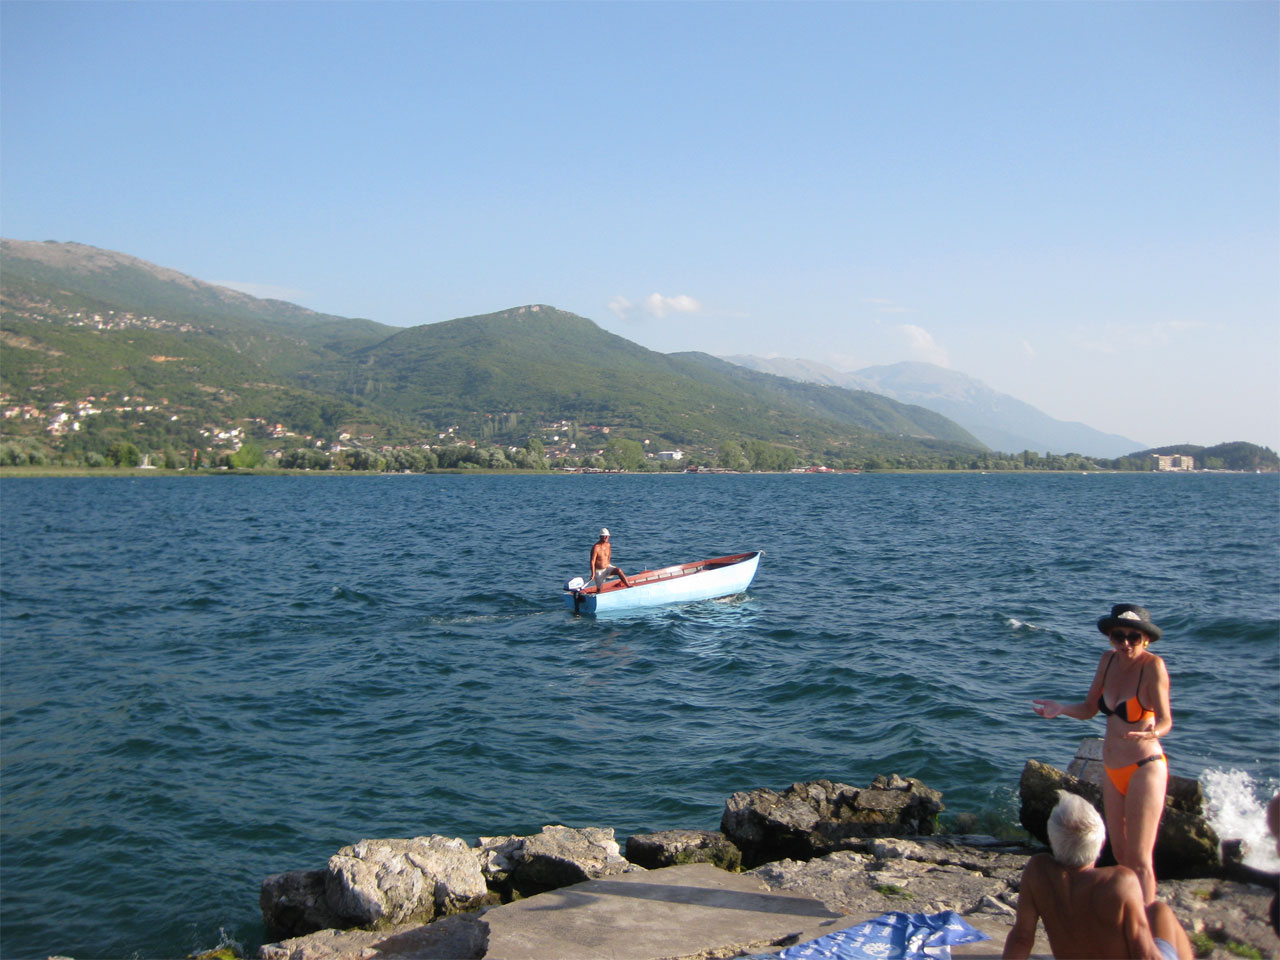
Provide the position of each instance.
(294, 903)
(810, 820)
(559, 856)
(1186, 846)
(1224, 913)
(1087, 764)
(669, 848)
(463, 937)
(377, 882)
(1039, 788)
(498, 857)
(884, 875)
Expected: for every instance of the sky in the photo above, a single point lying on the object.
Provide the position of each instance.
(1076, 203)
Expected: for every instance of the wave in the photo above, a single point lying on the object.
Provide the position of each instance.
(1235, 806)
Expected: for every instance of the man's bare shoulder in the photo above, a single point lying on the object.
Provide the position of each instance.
(1111, 890)
(1041, 866)
(1119, 878)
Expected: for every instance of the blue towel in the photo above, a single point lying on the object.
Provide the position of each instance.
(891, 936)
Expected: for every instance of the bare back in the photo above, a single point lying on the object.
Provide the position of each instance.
(1095, 912)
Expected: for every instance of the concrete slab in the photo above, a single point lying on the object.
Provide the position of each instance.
(690, 911)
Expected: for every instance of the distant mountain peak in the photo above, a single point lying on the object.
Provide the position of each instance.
(1000, 421)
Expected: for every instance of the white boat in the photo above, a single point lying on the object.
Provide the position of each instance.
(699, 580)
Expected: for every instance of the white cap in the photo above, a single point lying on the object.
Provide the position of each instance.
(604, 531)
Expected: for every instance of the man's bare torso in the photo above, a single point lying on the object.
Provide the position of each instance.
(1089, 913)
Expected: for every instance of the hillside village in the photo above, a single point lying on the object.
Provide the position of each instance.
(564, 444)
(111, 320)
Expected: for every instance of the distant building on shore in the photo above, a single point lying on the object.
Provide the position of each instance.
(1177, 461)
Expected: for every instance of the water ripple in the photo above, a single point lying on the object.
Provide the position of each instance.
(297, 663)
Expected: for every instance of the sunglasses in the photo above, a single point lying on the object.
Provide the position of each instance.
(1131, 636)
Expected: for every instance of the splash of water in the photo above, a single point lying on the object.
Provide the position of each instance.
(1234, 810)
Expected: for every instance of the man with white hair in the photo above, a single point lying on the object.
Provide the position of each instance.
(1089, 911)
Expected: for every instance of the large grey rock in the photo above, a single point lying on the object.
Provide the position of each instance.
(498, 857)
(813, 819)
(670, 848)
(376, 882)
(560, 856)
(294, 903)
(1186, 846)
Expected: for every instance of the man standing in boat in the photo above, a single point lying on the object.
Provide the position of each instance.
(601, 568)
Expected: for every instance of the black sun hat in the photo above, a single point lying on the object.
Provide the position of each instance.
(1130, 615)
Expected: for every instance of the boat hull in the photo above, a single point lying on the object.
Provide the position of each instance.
(701, 580)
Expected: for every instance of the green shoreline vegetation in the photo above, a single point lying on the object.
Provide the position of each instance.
(12, 472)
(167, 438)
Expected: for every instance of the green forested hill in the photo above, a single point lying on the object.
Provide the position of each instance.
(548, 364)
(78, 321)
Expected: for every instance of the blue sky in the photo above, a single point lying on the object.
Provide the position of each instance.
(1076, 203)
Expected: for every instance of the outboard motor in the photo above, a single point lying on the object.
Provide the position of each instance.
(575, 586)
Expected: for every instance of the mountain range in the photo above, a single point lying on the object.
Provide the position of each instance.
(78, 321)
(79, 325)
(1000, 421)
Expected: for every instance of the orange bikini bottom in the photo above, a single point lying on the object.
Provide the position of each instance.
(1121, 776)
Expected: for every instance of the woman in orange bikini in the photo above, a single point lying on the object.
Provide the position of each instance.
(1130, 686)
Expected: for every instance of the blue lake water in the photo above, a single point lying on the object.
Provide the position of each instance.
(209, 680)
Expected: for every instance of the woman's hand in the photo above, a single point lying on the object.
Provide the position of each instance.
(1047, 708)
(1145, 732)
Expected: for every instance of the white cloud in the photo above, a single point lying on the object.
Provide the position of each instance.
(661, 306)
(655, 306)
(922, 346)
(621, 306)
(1027, 349)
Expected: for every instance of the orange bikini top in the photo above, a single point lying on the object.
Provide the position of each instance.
(1131, 710)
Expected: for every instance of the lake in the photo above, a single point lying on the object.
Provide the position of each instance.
(206, 680)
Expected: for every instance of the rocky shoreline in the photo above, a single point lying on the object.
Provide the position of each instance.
(860, 852)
